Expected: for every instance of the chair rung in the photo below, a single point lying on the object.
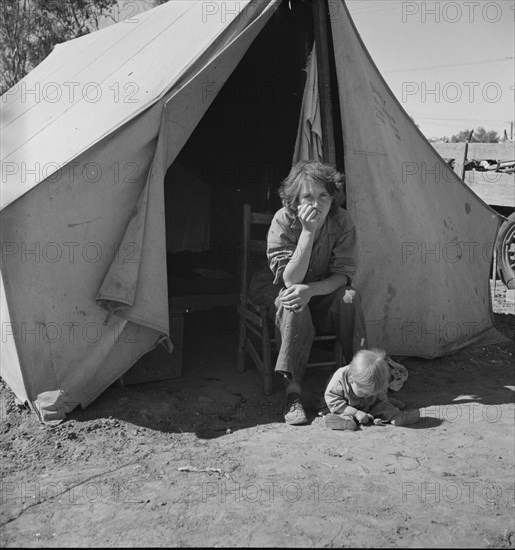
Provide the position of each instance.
(325, 338)
(254, 330)
(321, 364)
(256, 319)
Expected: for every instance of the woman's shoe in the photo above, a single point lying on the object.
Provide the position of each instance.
(294, 413)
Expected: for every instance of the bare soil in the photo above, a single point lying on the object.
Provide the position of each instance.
(205, 460)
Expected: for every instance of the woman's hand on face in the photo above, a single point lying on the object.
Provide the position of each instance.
(310, 217)
(296, 297)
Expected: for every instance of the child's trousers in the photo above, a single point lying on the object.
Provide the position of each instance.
(339, 313)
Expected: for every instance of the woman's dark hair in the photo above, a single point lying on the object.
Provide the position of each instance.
(315, 172)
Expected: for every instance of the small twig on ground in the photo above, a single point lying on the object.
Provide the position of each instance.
(193, 469)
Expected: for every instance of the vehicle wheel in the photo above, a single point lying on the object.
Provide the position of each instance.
(505, 246)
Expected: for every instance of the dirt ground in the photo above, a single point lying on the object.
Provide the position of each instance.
(205, 460)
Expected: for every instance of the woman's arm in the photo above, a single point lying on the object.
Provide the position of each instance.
(296, 296)
(296, 269)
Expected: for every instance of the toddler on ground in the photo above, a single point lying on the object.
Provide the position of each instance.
(357, 394)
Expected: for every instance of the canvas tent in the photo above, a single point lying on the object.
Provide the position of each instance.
(88, 137)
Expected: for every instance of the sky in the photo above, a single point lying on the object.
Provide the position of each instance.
(449, 62)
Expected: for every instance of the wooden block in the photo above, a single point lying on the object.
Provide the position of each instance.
(491, 151)
(494, 188)
(477, 151)
(450, 150)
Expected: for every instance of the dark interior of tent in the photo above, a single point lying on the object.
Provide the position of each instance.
(239, 152)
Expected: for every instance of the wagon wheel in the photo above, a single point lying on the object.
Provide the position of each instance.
(505, 246)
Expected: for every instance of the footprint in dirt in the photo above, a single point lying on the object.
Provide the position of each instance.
(407, 462)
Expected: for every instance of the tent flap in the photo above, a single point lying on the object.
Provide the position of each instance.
(423, 236)
(118, 290)
(308, 145)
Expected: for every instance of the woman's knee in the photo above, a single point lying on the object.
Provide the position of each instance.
(300, 322)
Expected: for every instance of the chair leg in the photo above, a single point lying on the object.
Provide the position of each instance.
(338, 354)
(266, 356)
(242, 335)
(267, 372)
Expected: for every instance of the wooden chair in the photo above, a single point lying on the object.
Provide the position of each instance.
(256, 332)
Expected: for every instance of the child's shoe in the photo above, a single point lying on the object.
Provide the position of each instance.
(340, 422)
(406, 418)
(396, 402)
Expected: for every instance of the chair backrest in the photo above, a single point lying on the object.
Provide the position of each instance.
(253, 250)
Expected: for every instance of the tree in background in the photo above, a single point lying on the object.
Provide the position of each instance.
(29, 30)
(480, 135)
(17, 54)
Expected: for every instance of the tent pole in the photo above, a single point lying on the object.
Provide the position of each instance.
(467, 141)
(320, 23)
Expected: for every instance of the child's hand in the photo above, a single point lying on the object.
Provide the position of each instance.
(363, 418)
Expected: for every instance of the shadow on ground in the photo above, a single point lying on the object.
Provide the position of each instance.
(211, 399)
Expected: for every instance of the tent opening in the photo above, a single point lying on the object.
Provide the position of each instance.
(239, 152)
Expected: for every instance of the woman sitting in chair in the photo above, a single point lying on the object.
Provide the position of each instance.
(311, 255)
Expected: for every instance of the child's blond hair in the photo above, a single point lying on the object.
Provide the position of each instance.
(368, 369)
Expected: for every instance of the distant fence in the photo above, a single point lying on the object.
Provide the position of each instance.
(494, 187)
